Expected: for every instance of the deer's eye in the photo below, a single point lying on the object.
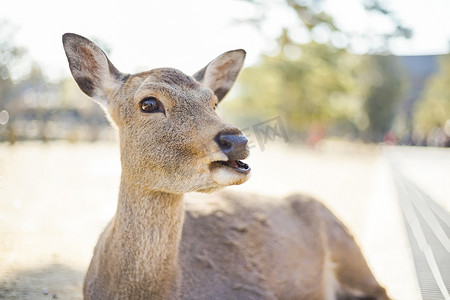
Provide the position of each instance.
(150, 105)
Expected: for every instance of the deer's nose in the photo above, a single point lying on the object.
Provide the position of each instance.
(234, 146)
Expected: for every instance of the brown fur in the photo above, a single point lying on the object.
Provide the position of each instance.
(228, 246)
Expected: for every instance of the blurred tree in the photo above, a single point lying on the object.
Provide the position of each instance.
(381, 104)
(318, 83)
(320, 87)
(38, 109)
(398, 29)
(433, 110)
(9, 56)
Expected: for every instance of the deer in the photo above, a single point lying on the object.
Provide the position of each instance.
(228, 246)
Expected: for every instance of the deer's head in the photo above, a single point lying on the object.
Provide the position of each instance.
(171, 138)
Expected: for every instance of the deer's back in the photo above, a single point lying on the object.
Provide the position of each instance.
(253, 247)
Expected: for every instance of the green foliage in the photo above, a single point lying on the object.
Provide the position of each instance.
(433, 109)
(310, 14)
(399, 29)
(321, 86)
(384, 95)
(347, 94)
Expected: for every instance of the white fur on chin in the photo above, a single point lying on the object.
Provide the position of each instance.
(225, 176)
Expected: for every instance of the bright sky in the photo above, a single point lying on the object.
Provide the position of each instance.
(188, 34)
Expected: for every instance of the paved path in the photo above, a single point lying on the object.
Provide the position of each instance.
(426, 217)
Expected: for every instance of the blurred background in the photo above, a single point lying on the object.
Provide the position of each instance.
(345, 100)
(372, 71)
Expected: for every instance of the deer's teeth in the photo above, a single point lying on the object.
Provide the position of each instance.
(242, 165)
(236, 165)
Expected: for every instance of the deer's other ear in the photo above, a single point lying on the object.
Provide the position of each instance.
(220, 74)
(94, 73)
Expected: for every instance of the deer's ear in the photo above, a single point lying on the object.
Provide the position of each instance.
(94, 73)
(220, 74)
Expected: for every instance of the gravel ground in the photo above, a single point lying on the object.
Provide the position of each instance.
(56, 198)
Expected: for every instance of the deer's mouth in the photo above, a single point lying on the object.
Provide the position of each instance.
(235, 165)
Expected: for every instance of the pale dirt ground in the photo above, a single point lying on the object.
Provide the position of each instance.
(56, 198)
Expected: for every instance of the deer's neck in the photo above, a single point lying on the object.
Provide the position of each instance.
(149, 223)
